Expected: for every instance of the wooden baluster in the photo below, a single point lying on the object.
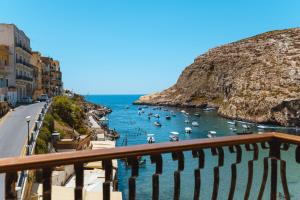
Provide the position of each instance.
(115, 181)
(10, 185)
(238, 150)
(201, 156)
(284, 147)
(217, 151)
(79, 180)
(134, 163)
(274, 154)
(265, 173)
(180, 158)
(250, 167)
(107, 166)
(157, 159)
(47, 183)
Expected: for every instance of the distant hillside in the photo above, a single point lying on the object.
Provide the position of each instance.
(255, 79)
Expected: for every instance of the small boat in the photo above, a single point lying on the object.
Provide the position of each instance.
(139, 113)
(142, 111)
(188, 130)
(156, 115)
(245, 126)
(186, 121)
(166, 109)
(209, 109)
(150, 138)
(174, 137)
(211, 134)
(140, 108)
(197, 114)
(231, 123)
(150, 114)
(157, 124)
(195, 124)
(262, 127)
(168, 117)
(183, 111)
(233, 129)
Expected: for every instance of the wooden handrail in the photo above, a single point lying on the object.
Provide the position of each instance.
(56, 159)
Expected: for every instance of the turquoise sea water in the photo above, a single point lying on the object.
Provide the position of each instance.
(135, 127)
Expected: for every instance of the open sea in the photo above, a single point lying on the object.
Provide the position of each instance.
(135, 128)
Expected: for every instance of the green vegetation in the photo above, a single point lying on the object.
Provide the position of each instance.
(65, 116)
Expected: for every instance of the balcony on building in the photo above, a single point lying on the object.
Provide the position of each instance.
(23, 47)
(24, 78)
(22, 62)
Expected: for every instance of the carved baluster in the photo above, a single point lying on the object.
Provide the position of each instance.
(217, 151)
(238, 150)
(47, 183)
(180, 158)
(284, 147)
(10, 185)
(274, 155)
(107, 166)
(157, 159)
(250, 167)
(201, 156)
(134, 163)
(265, 173)
(79, 180)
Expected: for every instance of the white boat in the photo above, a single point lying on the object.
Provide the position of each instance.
(174, 136)
(156, 115)
(245, 126)
(233, 129)
(188, 129)
(150, 138)
(197, 114)
(209, 109)
(186, 121)
(211, 134)
(262, 127)
(195, 124)
(183, 111)
(168, 117)
(157, 123)
(231, 123)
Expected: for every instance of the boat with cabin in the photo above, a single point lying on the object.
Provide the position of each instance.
(188, 130)
(174, 137)
(157, 124)
(196, 124)
(150, 138)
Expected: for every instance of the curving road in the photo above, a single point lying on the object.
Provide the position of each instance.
(13, 133)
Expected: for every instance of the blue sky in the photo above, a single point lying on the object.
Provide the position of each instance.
(138, 47)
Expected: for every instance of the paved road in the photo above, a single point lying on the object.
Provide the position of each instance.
(13, 133)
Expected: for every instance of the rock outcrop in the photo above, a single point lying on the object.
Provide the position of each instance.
(255, 79)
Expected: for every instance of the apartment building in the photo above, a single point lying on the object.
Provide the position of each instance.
(24, 73)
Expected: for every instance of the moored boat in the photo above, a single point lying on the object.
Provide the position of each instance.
(186, 121)
(156, 115)
(231, 123)
(150, 138)
(168, 117)
(174, 136)
(188, 129)
(211, 134)
(195, 124)
(157, 124)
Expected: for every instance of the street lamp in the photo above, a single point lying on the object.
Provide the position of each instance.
(28, 138)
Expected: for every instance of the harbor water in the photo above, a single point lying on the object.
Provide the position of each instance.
(134, 125)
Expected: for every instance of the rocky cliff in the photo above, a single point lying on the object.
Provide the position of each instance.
(255, 79)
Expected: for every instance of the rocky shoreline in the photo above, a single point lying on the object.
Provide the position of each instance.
(255, 79)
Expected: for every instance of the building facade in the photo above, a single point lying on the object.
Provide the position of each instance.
(24, 73)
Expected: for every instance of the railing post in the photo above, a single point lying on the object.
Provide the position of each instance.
(107, 165)
(47, 183)
(10, 185)
(157, 159)
(274, 154)
(79, 180)
(134, 163)
(179, 156)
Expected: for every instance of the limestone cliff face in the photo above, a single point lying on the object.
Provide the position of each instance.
(255, 79)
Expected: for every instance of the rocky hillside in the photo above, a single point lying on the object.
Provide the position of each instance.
(256, 79)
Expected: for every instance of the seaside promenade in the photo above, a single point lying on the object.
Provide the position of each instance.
(13, 133)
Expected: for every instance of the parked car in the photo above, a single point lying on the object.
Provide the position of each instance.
(26, 100)
(43, 97)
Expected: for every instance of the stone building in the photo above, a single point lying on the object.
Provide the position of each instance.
(24, 73)
(19, 69)
(38, 65)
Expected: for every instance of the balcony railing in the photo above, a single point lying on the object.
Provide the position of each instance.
(23, 47)
(273, 165)
(19, 61)
(25, 78)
